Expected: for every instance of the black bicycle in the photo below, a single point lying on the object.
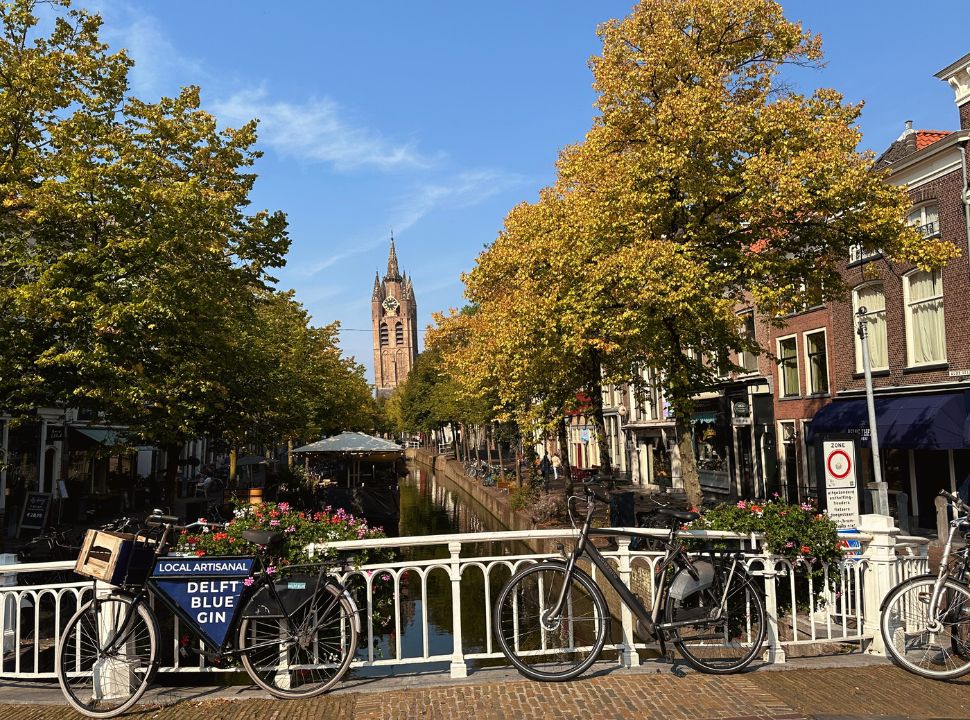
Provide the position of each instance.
(551, 619)
(295, 630)
(925, 620)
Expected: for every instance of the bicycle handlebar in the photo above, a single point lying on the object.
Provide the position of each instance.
(955, 499)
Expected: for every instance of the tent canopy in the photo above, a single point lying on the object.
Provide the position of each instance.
(351, 443)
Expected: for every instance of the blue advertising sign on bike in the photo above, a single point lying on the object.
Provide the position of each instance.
(205, 589)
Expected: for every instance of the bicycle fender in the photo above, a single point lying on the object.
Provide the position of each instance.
(683, 585)
(356, 610)
(882, 605)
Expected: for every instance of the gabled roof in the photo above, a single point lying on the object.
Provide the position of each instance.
(928, 137)
(909, 142)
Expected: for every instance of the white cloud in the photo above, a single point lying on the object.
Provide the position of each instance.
(160, 69)
(315, 129)
(463, 190)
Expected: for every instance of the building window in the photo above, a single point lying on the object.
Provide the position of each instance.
(926, 220)
(398, 334)
(857, 253)
(383, 335)
(925, 331)
(747, 360)
(872, 299)
(816, 362)
(788, 366)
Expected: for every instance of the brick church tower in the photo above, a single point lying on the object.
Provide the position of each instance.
(394, 314)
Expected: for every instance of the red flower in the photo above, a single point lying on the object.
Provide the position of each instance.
(273, 514)
(200, 553)
(756, 509)
(806, 549)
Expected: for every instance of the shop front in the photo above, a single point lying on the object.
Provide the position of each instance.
(924, 443)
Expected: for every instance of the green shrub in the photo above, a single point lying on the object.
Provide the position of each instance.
(797, 532)
(522, 498)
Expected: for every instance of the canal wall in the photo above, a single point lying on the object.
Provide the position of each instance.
(494, 500)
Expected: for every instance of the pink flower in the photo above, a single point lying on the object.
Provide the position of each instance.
(742, 504)
(271, 570)
(291, 529)
(274, 523)
(284, 507)
(248, 581)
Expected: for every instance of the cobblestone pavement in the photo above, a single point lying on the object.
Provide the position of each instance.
(801, 692)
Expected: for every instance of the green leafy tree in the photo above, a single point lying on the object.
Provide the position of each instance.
(705, 181)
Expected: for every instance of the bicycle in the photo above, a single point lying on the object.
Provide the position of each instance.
(295, 631)
(925, 620)
(551, 619)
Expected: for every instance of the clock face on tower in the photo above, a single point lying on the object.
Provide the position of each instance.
(391, 304)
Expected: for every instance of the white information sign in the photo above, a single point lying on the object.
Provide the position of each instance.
(841, 486)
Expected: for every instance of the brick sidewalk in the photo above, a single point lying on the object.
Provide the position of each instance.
(864, 691)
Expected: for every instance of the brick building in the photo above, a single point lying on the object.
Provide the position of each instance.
(918, 325)
(394, 316)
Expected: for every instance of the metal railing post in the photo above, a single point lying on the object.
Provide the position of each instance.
(628, 656)
(774, 650)
(878, 580)
(459, 669)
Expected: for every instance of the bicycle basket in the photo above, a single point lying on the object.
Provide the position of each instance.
(294, 591)
(115, 558)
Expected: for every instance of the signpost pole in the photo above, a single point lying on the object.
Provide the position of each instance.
(881, 496)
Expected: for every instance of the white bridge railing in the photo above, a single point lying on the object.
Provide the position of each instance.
(438, 610)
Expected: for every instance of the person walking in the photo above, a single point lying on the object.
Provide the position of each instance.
(545, 467)
(556, 466)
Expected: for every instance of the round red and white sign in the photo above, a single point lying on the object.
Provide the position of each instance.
(839, 464)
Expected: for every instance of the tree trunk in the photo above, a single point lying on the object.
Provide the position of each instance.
(488, 442)
(172, 453)
(501, 457)
(595, 389)
(688, 462)
(563, 438)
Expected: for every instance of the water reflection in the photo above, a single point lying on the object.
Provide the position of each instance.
(430, 506)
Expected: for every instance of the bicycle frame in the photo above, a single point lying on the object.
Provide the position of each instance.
(675, 556)
(944, 570)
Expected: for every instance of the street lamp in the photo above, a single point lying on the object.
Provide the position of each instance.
(881, 494)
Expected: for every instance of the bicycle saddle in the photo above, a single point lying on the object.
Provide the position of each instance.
(261, 537)
(682, 515)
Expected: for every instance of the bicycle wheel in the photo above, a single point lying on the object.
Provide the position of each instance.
(930, 642)
(303, 653)
(107, 656)
(714, 641)
(563, 648)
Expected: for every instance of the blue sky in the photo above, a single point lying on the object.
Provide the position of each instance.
(433, 119)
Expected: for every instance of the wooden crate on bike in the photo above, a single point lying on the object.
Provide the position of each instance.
(115, 558)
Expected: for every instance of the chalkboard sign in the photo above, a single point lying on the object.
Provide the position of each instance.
(36, 507)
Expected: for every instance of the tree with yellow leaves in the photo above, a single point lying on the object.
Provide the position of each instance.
(704, 180)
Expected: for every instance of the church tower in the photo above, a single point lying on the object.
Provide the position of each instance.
(394, 314)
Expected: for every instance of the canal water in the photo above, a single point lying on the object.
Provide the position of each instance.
(429, 506)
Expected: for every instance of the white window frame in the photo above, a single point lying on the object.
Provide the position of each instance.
(857, 254)
(743, 354)
(809, 389)
(921, 223)
(855, 325)
(781, 370)
(908, 315)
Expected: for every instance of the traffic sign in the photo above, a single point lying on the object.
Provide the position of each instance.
(841, 486)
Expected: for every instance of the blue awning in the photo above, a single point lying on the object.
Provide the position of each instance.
(912, 422)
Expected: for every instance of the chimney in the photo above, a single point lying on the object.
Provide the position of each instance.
(958, 77)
